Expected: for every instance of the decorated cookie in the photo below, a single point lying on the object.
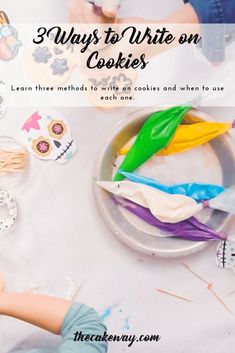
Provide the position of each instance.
(50, 64)
(9, 42)
(48, 136)
(123, 81)
(225, 254)
(8, 221)
(2, 99)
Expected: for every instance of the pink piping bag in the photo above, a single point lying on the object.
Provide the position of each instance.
(190, 229)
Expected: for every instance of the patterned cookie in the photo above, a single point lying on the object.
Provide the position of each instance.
(7, 222)
(50, 64)
(225, 254)
(48, 136)
(108, 90)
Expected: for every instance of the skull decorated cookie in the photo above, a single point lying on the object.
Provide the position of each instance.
(48, 136)
(225, 254)
(50, 64)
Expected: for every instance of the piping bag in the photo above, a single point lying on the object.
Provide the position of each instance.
(155, 134)
(190, 229)
(166, 207)
(163, 206)
(188, 137)
(198, 191)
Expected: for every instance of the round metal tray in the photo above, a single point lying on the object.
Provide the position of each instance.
(130, 230)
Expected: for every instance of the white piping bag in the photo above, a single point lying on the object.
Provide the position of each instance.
(165, 207)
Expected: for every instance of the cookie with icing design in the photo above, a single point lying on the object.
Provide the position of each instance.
(50, 64)
(9, 42)
(225, 254)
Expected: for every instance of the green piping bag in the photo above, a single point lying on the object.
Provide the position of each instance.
(155, 134)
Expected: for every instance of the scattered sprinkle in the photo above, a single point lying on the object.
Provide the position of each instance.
(106, 313)
(126, 325)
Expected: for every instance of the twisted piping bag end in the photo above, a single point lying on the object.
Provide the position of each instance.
(196, 102)
(222, 236)
(205, 204)
(100, 183)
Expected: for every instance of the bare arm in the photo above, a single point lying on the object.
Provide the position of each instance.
(186, 14)
(45, 312)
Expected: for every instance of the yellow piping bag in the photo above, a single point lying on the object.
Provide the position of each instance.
(189, 136)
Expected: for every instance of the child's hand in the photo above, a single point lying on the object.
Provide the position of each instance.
(110, 8)
(104, 11)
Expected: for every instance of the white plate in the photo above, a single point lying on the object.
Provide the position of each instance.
(212, 163)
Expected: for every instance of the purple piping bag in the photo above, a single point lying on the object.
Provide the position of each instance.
(190, 229)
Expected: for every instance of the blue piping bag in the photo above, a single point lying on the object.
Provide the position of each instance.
(199, 192)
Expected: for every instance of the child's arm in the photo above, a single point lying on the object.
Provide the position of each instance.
(57, 316)
(186, 14)
(45, 312)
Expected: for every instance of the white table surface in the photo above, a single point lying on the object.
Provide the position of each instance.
(60, 233)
